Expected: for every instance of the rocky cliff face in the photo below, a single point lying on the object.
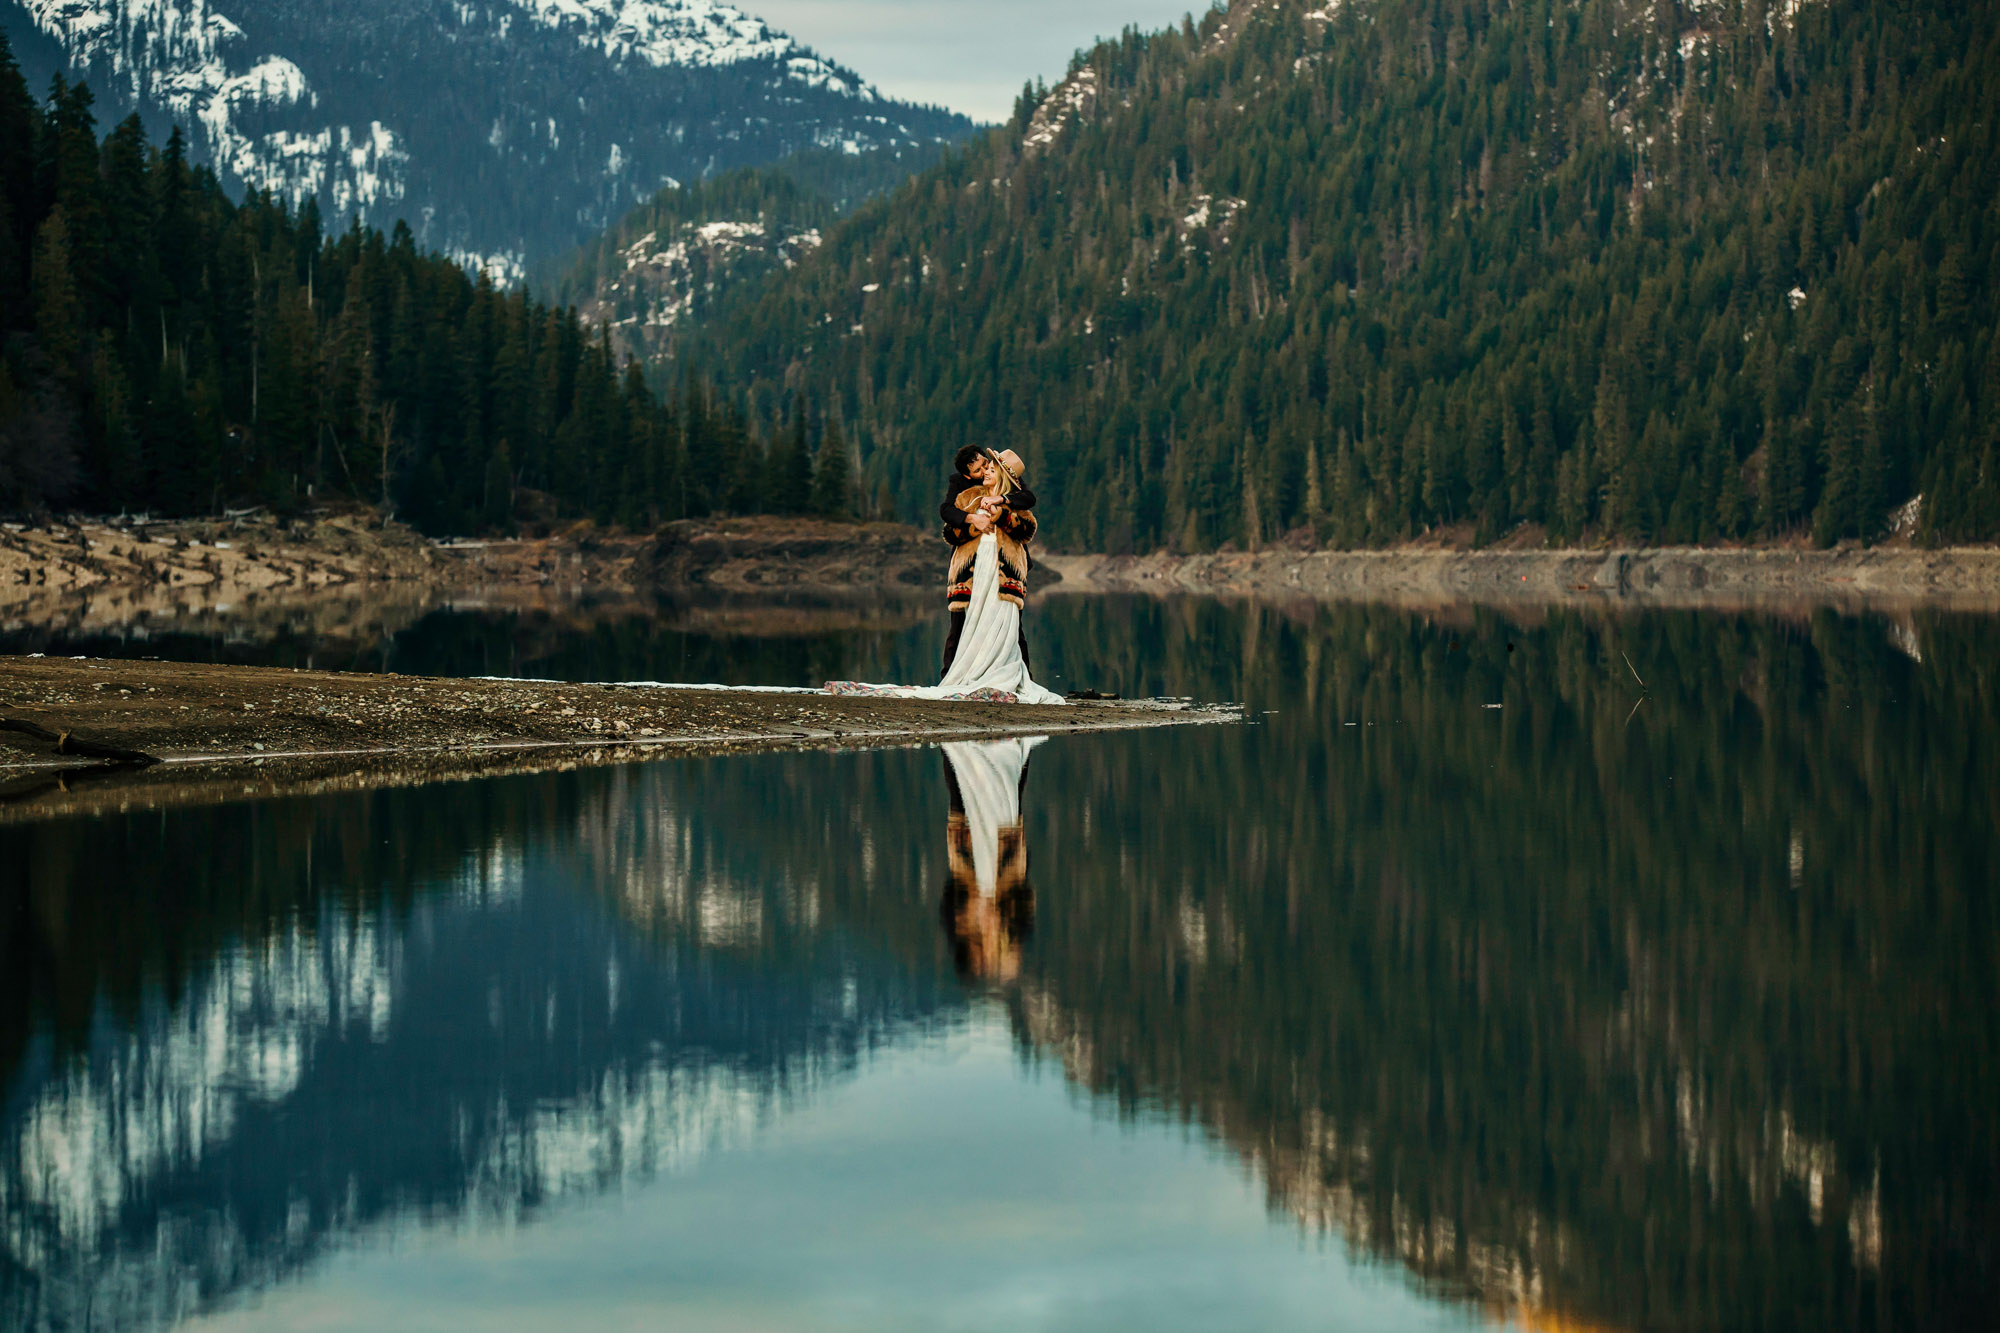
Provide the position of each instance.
(501, 130)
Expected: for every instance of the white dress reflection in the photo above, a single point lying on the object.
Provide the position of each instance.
(988, 907)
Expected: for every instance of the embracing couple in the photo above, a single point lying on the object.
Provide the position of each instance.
(989, 521)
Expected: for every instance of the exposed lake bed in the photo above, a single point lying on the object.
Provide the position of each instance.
(192, 720)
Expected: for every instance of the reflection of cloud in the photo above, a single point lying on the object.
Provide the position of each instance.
(636, 1124)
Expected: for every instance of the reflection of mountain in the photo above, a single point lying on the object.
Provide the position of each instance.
(316, 1060)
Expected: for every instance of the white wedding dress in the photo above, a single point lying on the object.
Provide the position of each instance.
(989, 784)
(988, 664)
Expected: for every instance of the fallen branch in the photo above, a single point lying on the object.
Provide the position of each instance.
(67, 742)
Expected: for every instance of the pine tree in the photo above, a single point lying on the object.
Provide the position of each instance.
(19, 131)
(788, 489)
(833, 475)
(58, 310)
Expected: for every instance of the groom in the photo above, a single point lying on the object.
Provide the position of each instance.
(985, 495)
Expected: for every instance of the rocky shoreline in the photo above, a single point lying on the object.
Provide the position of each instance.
(97, 573)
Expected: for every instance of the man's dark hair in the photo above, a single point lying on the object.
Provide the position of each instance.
(963, 460)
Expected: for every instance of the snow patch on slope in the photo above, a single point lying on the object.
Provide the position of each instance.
(1073, 97)
(188, 57)
(1206, 213)
(689, 32)
(662, 278)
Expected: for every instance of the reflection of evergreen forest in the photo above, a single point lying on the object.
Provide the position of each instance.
(1675, 1018)
(1669, 1017)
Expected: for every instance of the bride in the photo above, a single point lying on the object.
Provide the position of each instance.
(989, 522)
(988, 907)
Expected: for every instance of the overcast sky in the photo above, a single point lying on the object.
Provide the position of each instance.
(970, 55)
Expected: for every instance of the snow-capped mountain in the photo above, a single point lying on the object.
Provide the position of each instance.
(501, 130)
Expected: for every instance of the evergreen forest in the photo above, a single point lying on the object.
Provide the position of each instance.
(1350, 275)
(1358, 273)
(670, 262)
(806, 191)
(166, 350)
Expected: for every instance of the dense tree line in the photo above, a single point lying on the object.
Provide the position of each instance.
(169, 350)
(1658, 270)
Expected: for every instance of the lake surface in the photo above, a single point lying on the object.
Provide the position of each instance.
(1673, 1005)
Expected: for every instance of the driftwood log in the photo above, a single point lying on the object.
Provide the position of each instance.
(68, 742)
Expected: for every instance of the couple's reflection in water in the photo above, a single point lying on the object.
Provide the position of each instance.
(987, 909)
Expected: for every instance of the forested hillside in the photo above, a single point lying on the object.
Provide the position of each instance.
(1669, 271)
(668, 261)
(165, 349)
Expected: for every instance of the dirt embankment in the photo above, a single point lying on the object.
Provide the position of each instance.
(92, 575)
(210, 728)
(1967, 577)
(89, 576)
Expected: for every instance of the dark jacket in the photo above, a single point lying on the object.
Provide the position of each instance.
(1014, 526)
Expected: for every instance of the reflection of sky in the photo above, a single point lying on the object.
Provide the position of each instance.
(949, 1187)
(970, 55)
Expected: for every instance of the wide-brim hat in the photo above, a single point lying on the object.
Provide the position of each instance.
(1011, 472)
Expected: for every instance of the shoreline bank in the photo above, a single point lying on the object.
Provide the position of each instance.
(99, 573)
(224, 732)
(1965, 578)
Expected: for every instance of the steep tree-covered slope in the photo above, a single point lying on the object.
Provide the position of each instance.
(1680, 271)
(669, 260)
(503, 131)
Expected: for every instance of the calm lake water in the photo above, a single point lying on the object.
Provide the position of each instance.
(1607, 1007)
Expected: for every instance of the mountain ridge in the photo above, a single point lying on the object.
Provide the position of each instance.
(503, 130)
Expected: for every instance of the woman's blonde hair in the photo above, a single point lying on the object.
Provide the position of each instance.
(1009, 480)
